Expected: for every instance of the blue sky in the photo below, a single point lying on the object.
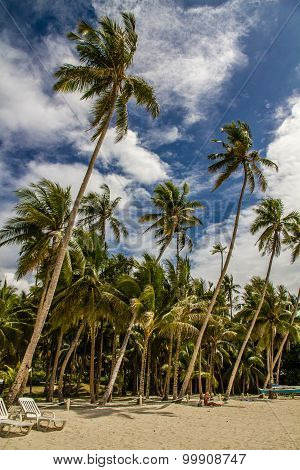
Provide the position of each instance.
(210, 62)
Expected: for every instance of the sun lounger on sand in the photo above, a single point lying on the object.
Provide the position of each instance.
(32, 412)
(8, 421)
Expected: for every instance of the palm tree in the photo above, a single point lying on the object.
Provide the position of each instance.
(218, 335)
(219, 248)
(84, 294)
(293, 242)
(273, 322)
(174, 217)
(141, 299)
(250, 370)
(97, 210)
(42, 214)
(237, 154)
(230, 289)
(105, 55)
(10, 326)
(121, 298)
(152, 305)
(184, 315)
(275, 225)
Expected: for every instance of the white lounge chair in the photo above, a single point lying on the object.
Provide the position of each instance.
(8, 420)
(32, 412)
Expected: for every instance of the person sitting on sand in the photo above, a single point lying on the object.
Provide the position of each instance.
(208, 401)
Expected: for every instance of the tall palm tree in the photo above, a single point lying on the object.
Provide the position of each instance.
(105, 55)
(97, 211)
(275, 226)
(175, 216)
(219, 248)
(237, 154)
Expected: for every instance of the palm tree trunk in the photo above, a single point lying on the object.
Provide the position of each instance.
(66, 360)
(284, 339)
(46, 304)
(92, 363)
(272, 358)
(212, 371)
(156, 388)
(177, 253)
(221, 378)
(114, 374)
(168, 376)
(199, 376)
(176, 365)
(278, 369)
(114, 355)
(54, 367)
(245, 342)
(99, 364)
(48, 373)
(18, 387)
(143, 366)
(217, 290)
(222, 262)
(148, 372)
(162, 252)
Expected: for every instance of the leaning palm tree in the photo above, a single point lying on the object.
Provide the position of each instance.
(219, 248)
(105, 54)
(97, 211)
(237, 154)
(174, 216)
(275, 226)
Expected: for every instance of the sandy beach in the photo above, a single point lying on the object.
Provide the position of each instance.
(258, 424)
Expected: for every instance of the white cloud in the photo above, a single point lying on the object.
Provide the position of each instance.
(285, 150)
(136, 161)
(188, 53)
(72, 175)
(20, 284)
(25, 107)
(160, 135)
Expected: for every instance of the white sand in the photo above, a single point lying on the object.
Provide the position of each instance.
(260, 424)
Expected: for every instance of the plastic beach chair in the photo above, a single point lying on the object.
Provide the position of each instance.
(41, 419)
(8, 420)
